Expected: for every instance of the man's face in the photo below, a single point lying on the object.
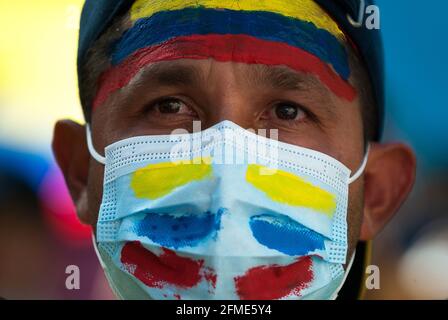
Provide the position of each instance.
(263, 66)
(303, 110)
(272, 76)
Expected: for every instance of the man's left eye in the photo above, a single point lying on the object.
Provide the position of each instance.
(288, 112)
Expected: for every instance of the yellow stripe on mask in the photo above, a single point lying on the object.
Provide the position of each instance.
(158, 180)
(305, 10)
(287, 188)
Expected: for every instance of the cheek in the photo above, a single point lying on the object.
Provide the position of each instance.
(355, 214)
(94, 193)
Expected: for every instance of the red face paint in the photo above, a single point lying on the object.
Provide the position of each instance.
(224, 48)
(275, 282)
(166, 269)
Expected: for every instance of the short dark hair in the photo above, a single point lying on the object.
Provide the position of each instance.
(98, 60)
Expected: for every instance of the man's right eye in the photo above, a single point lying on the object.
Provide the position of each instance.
(171, 106)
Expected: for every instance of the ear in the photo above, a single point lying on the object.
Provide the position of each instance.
(70, 149)
(388, 180)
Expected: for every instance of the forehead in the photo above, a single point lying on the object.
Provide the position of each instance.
(199, 73)
(295, 33)
(300, 24)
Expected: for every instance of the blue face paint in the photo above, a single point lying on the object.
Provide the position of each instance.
(283, 234)
(166, 25)
(179, 231)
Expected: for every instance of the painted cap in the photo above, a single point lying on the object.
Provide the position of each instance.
(97, 16)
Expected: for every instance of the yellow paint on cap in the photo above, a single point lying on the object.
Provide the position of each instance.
(157, 180)
(287, 188)
(305, 10)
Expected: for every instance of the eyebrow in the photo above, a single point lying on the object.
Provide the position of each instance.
(283, 78)
(174, 73)
(170, 74)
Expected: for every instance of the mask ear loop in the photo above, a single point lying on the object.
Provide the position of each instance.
(95, 155)
(346, 273)
(361, 169)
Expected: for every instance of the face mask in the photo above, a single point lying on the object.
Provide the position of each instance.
(222, 214)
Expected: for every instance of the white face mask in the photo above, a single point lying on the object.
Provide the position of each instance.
(177, 221)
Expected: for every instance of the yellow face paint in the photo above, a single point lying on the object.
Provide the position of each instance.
(305, 10)
(287, 188)
(158, 180)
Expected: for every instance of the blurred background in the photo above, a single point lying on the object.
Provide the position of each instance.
(40, 234)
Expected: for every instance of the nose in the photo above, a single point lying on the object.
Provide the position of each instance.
(236, 111)
(229, 96)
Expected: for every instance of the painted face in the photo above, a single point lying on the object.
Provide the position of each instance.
(296, 33)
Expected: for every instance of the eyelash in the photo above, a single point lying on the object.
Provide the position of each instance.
(151, 105)
(309, 116)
